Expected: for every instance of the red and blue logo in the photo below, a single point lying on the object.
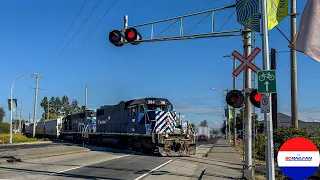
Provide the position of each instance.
(298, 158)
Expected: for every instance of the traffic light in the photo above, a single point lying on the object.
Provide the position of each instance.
(235, 98)
(255, 98)
(116, 38)
(131, 35)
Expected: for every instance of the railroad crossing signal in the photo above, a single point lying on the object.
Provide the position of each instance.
(235, 98)
(130, 36)
(255, 98)
(246, 61)
(267, 82)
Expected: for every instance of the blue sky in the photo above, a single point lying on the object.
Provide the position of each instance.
(182, 71)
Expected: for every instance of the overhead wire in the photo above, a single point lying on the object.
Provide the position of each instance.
(84, 3)
(80, 28)
(150, 49)
(102, 45)
(195, 26)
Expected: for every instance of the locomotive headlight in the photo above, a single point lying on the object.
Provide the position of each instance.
(166, 135)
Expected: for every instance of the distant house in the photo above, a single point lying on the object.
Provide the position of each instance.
(284, 121)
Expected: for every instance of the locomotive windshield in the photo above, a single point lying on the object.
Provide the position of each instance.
(159, 107)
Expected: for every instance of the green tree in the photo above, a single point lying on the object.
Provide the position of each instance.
(204, 123)
(2, 114)
(57, 105)
(65, 104)
(74, 106)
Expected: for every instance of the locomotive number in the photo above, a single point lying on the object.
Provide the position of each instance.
(151, 102)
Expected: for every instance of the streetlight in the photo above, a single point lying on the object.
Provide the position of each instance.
(11, 102)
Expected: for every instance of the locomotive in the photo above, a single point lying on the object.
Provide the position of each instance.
(147, 124)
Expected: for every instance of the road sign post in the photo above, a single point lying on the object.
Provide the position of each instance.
(267, 82)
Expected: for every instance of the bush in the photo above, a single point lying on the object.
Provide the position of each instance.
(16, 138)
(281, 135)
(4, 128)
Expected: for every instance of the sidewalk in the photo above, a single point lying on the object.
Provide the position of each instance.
(222, 163)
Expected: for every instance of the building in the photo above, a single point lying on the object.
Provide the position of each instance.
(285, 121)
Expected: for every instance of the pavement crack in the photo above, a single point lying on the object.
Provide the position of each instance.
(202, 173)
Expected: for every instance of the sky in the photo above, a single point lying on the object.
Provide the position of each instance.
(182, 71)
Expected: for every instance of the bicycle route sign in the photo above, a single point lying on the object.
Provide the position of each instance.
(267, 82)
(246, 61)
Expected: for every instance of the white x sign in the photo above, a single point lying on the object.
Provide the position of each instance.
(246, 62)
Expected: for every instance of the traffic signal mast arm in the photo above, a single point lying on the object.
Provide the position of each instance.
(117, 39)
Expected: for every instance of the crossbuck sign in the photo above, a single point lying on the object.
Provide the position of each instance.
(246, 61)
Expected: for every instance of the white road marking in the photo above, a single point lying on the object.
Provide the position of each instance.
(86, 165)
(145, 174)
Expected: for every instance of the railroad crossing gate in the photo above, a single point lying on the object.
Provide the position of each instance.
(267, 82)
(246, 61)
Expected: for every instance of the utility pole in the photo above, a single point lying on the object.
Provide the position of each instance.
(234, 109)
(270, 174)
(20, 116)
(293, 66)
(48, 112)
(35, 103)
(247, 112)
(86, 97)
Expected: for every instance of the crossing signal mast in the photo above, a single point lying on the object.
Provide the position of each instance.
(132, 36)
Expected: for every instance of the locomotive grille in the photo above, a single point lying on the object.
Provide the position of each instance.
(165, 121)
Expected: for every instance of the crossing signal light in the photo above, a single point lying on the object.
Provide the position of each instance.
(255, 98)
(235, 98)
(116, 38)
(131, 35)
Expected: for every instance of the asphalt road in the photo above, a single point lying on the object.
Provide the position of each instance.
(105, 163)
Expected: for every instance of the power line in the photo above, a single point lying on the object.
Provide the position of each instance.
(67, 31)
(158, 45)
(80, 28)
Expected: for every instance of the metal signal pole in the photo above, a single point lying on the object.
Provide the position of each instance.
(293, 67)
(86, 97)
(247, 112)
(270, 174)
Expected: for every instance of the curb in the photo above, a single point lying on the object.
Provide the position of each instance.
(14, 159)
(15, 144)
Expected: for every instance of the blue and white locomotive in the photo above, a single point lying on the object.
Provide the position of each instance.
(146, 124)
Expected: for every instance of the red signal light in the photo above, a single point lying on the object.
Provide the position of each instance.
(255, 98)
(116, 38)
(131, 35)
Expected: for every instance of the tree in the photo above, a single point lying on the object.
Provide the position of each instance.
(59, 107)
(204, 123)
(2, 114)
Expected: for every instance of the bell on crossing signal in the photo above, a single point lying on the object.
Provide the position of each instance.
(235, 98)
(255, 98)
(131, 35)
(116, 38)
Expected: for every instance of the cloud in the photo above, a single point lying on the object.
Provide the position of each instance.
(200, 111)
(305, 114)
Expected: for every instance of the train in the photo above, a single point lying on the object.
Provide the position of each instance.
(146, 124)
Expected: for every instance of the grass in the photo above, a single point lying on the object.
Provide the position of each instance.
(16, 138)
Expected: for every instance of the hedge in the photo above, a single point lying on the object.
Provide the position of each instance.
(281, 135)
